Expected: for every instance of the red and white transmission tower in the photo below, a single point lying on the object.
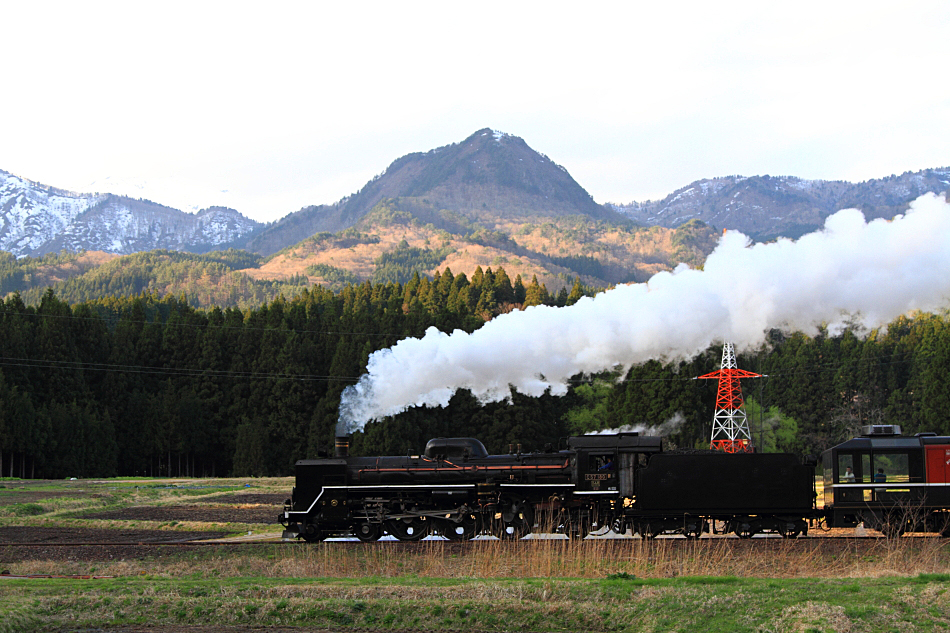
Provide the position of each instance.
(730, 432)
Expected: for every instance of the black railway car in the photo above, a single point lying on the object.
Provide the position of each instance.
(742, 493)
(889, 482)
(599, 482)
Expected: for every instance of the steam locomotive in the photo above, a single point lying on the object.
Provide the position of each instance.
(620, 483)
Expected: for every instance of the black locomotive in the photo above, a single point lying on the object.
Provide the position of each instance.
(598, 482)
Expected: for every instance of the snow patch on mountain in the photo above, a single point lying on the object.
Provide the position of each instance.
(764, 207)
(36, 219)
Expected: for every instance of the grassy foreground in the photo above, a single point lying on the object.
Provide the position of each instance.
(616, 603)
(900, 585)
(531, 586)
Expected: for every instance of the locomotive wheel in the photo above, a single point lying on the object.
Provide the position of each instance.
(368, 532)
(463, 530)
(408, 529)
(514, 523)
(312, 534)
(513, 531)
(510, 530)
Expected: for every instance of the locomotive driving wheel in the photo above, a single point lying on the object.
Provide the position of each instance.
(408, 529)
(462, 530)
(513, 522)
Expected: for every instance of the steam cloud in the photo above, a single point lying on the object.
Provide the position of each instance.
(661, 430)
(851, 272)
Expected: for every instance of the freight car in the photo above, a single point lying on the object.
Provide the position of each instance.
(615, 482)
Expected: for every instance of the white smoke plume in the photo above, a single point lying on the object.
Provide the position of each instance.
(661, 430)
(851, 272)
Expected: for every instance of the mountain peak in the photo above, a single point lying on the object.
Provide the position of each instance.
(497, 135)
(489, 177)
(489, 172)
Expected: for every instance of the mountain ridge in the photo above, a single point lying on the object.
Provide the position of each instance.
(37, 219)
(490, 177)
(767, 207)
(489, 200)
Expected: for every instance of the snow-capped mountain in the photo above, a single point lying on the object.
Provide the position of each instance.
(765, 207)
(36, 219)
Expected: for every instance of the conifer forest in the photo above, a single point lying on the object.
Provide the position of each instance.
(151, 385)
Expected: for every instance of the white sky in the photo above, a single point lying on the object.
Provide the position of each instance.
(271, 109)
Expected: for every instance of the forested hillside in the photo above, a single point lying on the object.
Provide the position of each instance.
(389, 244)
(219, 278)
(150, 385)
(398, 236)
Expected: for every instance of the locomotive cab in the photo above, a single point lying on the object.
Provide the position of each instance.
(607, 464)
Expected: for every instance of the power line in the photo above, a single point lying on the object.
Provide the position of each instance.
(167, 371)
(198, 326)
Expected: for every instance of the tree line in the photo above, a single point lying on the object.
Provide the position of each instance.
(151, 385)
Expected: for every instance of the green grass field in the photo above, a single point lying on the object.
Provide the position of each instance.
(616, 603)
(556, 585)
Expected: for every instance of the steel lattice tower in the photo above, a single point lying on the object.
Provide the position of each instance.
(730, 431)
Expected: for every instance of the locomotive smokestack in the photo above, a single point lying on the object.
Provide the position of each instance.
(342, 446)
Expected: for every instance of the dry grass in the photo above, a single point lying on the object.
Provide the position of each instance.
(641, 586)
(555, 559)
(644, 559)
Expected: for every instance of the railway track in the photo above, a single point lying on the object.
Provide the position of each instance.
(347, 543)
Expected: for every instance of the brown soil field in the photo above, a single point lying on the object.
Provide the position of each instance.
(14, 554)
(8, 497)
(63, 543)
(66, 535)
(273, 499)
(256, 514)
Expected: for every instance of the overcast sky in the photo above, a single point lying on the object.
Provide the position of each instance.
(274, 107)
